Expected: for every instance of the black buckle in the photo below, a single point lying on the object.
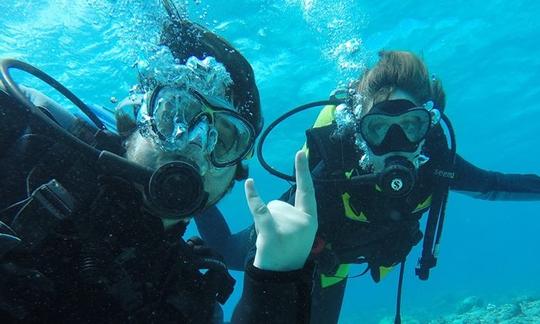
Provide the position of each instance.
(48, 205)
(425, 263)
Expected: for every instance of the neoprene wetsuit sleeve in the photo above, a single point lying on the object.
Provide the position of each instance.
(490, 185)
(234, 248)
(275, 297)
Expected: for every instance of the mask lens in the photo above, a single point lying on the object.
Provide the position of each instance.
(414, 124)
(176, 119)
(235, 138)
(172, 112)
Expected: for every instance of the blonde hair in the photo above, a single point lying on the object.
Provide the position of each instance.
(400, 70)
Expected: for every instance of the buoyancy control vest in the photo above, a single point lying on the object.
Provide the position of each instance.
(357, 222)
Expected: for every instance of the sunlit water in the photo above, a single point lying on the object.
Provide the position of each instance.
(486, 53)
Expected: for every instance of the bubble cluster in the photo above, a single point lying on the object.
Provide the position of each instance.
(365, 162)
(344, 119)
(340, 22)
(207, 76)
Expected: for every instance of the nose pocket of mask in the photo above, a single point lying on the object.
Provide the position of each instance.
(203, 134)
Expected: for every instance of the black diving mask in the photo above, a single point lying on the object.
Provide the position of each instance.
(397, 126)
(394, 131)
(172, 118)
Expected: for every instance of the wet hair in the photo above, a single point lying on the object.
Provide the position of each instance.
(186, 39)
(400, 70)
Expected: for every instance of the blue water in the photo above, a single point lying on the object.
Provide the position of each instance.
(485, 52)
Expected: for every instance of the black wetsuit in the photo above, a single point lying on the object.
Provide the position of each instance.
(91, 252)
(364, 235)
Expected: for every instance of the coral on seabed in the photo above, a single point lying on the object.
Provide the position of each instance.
(474, 310)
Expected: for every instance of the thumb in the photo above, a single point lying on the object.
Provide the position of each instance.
(259, 210)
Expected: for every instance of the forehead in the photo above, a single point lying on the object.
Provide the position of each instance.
(395, 95)
(400, 94)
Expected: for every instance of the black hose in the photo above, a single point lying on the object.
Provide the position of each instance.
(108, 161)
(14, 90)
(397, 319)
(272, 125)
(437, 212)
(444, 202)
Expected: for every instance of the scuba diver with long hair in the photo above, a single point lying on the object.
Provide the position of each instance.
(92, 217)
(382, 154)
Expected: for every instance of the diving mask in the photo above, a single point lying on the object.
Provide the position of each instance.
(394, 132)
(173, 118)
(397, 125)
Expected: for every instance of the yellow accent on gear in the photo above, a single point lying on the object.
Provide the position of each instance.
(423, 205)
(384, 271)
(349, 211)
(341, 273)
(326, 117)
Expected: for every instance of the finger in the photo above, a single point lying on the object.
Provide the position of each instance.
(258, 208)
(305, 193)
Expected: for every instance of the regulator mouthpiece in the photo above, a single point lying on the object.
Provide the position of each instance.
(398, 177)
(176, 189)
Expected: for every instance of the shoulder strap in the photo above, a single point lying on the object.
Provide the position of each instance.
(335, 150)
(443, 165)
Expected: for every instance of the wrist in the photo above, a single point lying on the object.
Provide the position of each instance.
(272, 262)
(263, 275)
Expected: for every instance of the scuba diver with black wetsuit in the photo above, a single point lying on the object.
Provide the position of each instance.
(92, 218)
(382, 153)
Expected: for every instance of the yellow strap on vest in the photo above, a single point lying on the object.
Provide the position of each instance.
(384, 271)
(341, 273)
(349, 210)
(326, 117)
(423, 205)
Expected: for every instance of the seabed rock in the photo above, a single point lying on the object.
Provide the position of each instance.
(473, 310)
(469, 304)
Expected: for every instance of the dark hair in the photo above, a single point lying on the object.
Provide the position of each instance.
(403, 70)
(186, 39)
